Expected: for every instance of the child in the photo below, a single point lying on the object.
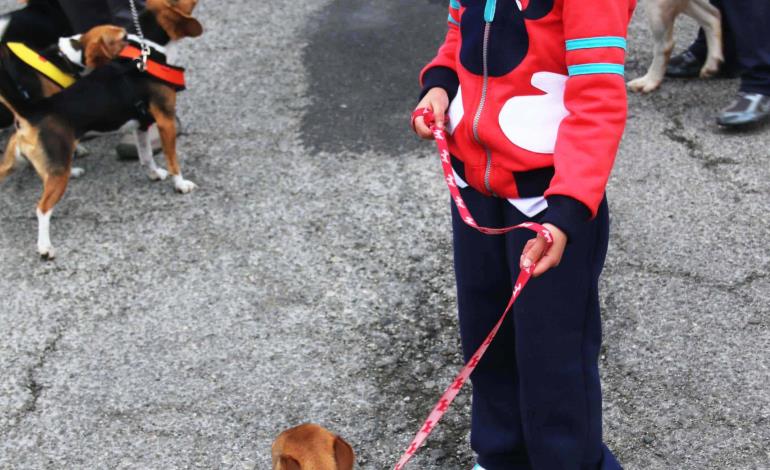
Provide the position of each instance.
(538, 107)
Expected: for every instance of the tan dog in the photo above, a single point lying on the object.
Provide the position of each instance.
(662, 15)
(311, 447)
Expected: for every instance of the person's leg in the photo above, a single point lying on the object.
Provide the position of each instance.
(558, 337)
(688, 64)
(38, 25)
(120, 10)
(752, 105)
(483, 290)
(85, 14)
(751, 18)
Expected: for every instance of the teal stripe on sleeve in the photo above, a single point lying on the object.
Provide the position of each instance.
(454, 4)
(596, 42)
(590, 69)
(489, 10)
(452, 20)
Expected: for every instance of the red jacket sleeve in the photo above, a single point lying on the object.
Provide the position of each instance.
(442, 70)
(595, 96)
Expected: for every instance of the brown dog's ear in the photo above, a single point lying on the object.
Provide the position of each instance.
(343, 454)
(287, 463)
(103, 44)
(174, 16)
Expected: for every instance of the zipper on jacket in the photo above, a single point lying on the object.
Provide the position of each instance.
(488, 24)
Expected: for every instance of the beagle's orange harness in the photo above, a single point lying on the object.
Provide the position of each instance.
(174, 76)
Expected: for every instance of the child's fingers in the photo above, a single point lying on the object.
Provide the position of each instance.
(421, 129)
(438, 112)
(546, 262)
(532, 252)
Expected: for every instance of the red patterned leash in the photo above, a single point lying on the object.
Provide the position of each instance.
(524, 275)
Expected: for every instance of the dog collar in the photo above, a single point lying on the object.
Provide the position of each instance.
(174, 76)
(70, 53)
(133, 38)
(41, 64)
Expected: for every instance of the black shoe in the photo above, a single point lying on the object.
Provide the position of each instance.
(748, 108)
(684, 65)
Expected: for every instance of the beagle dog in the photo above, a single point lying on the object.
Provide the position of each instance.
(45, 73)
(139, 87)
(662, 15)
(311, 447)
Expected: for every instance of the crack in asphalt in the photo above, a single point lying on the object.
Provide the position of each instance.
(731, 287)
(35, 388)
(676, 132)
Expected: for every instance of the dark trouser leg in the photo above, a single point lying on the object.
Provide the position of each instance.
(38, 25)
(558, 337)
(483, 290)
(85, 14)
(546, 408)
(751, 18)
(700, 50)
(121, 13)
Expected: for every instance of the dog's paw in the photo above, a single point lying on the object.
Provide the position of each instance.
(643, 84)
(183, 186)
(46, 252)
(157, 174)
(77, 172)
(81, 151)
(709, 70)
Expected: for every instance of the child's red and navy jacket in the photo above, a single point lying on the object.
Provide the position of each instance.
(538, 98)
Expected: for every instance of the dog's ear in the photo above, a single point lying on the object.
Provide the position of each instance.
(175, 17)
(343, 454)
(285, 462)
(103, 44)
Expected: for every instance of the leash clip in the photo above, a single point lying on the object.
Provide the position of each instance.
(141, 61)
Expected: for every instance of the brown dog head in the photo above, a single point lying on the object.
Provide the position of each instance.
(102, 44)
(175, 17)
(311, 447)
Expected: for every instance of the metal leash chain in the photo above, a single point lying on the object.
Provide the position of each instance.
(141, 64)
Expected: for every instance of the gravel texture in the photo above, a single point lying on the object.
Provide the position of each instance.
(308, 279)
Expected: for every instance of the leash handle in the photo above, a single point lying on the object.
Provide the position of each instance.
(440, 409)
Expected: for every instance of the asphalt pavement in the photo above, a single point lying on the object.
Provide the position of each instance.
(309, 278)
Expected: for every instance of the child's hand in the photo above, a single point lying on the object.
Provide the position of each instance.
(437, 101)
(534, 251)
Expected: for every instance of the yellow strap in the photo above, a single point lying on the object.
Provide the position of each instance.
(41, 64)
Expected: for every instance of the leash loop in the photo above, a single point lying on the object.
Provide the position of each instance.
(440, 409)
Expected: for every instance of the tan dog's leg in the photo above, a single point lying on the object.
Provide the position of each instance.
(144, 148)
(165, 118)
(55, 179)
(710, 19)
(9, 159)
(661, 15)
(54, 186)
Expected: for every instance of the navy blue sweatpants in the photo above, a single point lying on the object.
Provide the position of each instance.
(746, 42)
(536, 393)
